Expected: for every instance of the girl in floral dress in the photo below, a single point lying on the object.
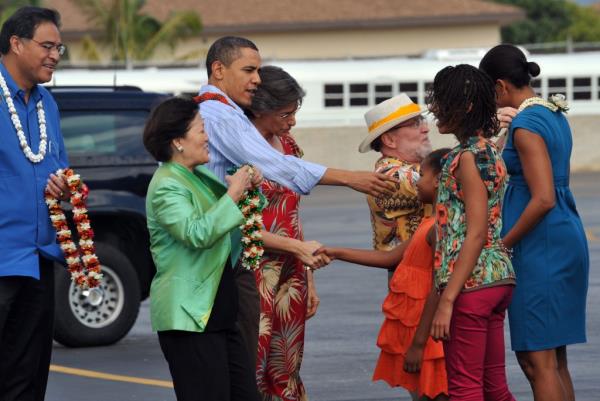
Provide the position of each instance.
(409, 358)
(473, 272)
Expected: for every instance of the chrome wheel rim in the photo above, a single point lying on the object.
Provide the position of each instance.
(101, 306)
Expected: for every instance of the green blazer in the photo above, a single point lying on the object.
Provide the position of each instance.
(191, 222)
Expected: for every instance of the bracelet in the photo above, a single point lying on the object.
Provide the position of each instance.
(508, 251)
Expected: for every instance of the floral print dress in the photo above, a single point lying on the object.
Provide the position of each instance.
(282, 285)
(493, 266)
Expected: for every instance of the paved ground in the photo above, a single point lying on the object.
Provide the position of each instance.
(340, 351)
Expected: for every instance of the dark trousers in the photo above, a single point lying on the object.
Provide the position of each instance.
(248, 318)
(211, 366)
(26, 326)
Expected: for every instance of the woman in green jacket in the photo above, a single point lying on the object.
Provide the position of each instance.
(191, 218)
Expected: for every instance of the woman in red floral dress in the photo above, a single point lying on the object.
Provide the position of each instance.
(286, 288)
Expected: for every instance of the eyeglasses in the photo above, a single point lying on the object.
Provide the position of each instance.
(416, 123)
(285, 116)
(49, 46)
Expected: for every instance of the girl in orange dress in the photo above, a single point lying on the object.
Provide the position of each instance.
(409, 358)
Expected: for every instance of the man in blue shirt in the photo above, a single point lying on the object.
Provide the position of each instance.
(232, 65)
(32, 150)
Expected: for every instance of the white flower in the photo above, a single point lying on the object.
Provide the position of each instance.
(79, 210)
(68, 246)
(57, 217)
(560, 101)
(95, 275)
(88, 258)
(64, 233)
(86, 243)
(72, 260)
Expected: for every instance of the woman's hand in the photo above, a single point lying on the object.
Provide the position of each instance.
(312, 301)
(256, 177)
(413, 359)
(238, 183)
(505, 115)
(306, 251)
(58, 187)
(440, 327)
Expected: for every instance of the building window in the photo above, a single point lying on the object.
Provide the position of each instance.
(557, 85)
(411, 89)
(359, 94)
(582, 88)
(334, 95)
(383, 92)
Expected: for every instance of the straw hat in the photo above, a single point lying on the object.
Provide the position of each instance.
(386, 115)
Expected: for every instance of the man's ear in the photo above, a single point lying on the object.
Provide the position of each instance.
(388, 141)
(217, 68)
(16, 45)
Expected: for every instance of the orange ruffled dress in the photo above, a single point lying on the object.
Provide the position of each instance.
(409, 288)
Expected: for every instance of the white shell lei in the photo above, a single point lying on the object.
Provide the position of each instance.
(33, 157)
(556, 102)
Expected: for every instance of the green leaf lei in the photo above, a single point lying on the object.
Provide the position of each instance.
(251, 204)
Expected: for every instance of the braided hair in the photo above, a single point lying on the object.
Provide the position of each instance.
(463, 100)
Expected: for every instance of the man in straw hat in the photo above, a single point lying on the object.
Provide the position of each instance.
(398, 130)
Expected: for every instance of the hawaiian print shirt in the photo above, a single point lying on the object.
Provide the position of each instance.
(451, 227)
(395, 218)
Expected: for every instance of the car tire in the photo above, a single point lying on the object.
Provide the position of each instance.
(106, 314)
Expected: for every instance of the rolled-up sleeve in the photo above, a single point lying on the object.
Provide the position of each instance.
(240, 143)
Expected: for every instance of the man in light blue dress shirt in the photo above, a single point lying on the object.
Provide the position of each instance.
(232, 64)
(31, 46)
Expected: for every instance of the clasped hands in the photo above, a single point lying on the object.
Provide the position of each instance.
(308, 253)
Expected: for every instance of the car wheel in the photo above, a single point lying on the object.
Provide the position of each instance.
(102, 315)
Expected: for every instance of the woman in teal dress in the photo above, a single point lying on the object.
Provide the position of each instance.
(542, 226)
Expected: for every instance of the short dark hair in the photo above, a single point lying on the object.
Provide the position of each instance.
(169, 120)
(277, 89)
(24, 22)
(434, 159)
(226, 50)
(510, 63)
(377, 144)
(463, 99)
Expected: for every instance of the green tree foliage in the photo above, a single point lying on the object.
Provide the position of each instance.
(8, 7)
(130, 34)
(586, 24)
(547, 21)
(552, 21)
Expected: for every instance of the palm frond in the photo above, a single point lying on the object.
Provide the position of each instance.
(90, 48)
(177, 27)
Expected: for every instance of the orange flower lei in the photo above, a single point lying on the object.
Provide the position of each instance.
(86, 274)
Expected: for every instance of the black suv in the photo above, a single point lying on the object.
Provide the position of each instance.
(102, 130)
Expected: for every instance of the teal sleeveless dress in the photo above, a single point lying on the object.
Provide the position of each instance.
(552, 261)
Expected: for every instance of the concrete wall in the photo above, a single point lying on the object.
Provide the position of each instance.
(338, 146)
(319, 44)
(372, 42)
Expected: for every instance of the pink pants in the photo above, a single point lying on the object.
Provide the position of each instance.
(475, 350)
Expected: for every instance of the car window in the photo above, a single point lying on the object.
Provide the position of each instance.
(105, 136)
